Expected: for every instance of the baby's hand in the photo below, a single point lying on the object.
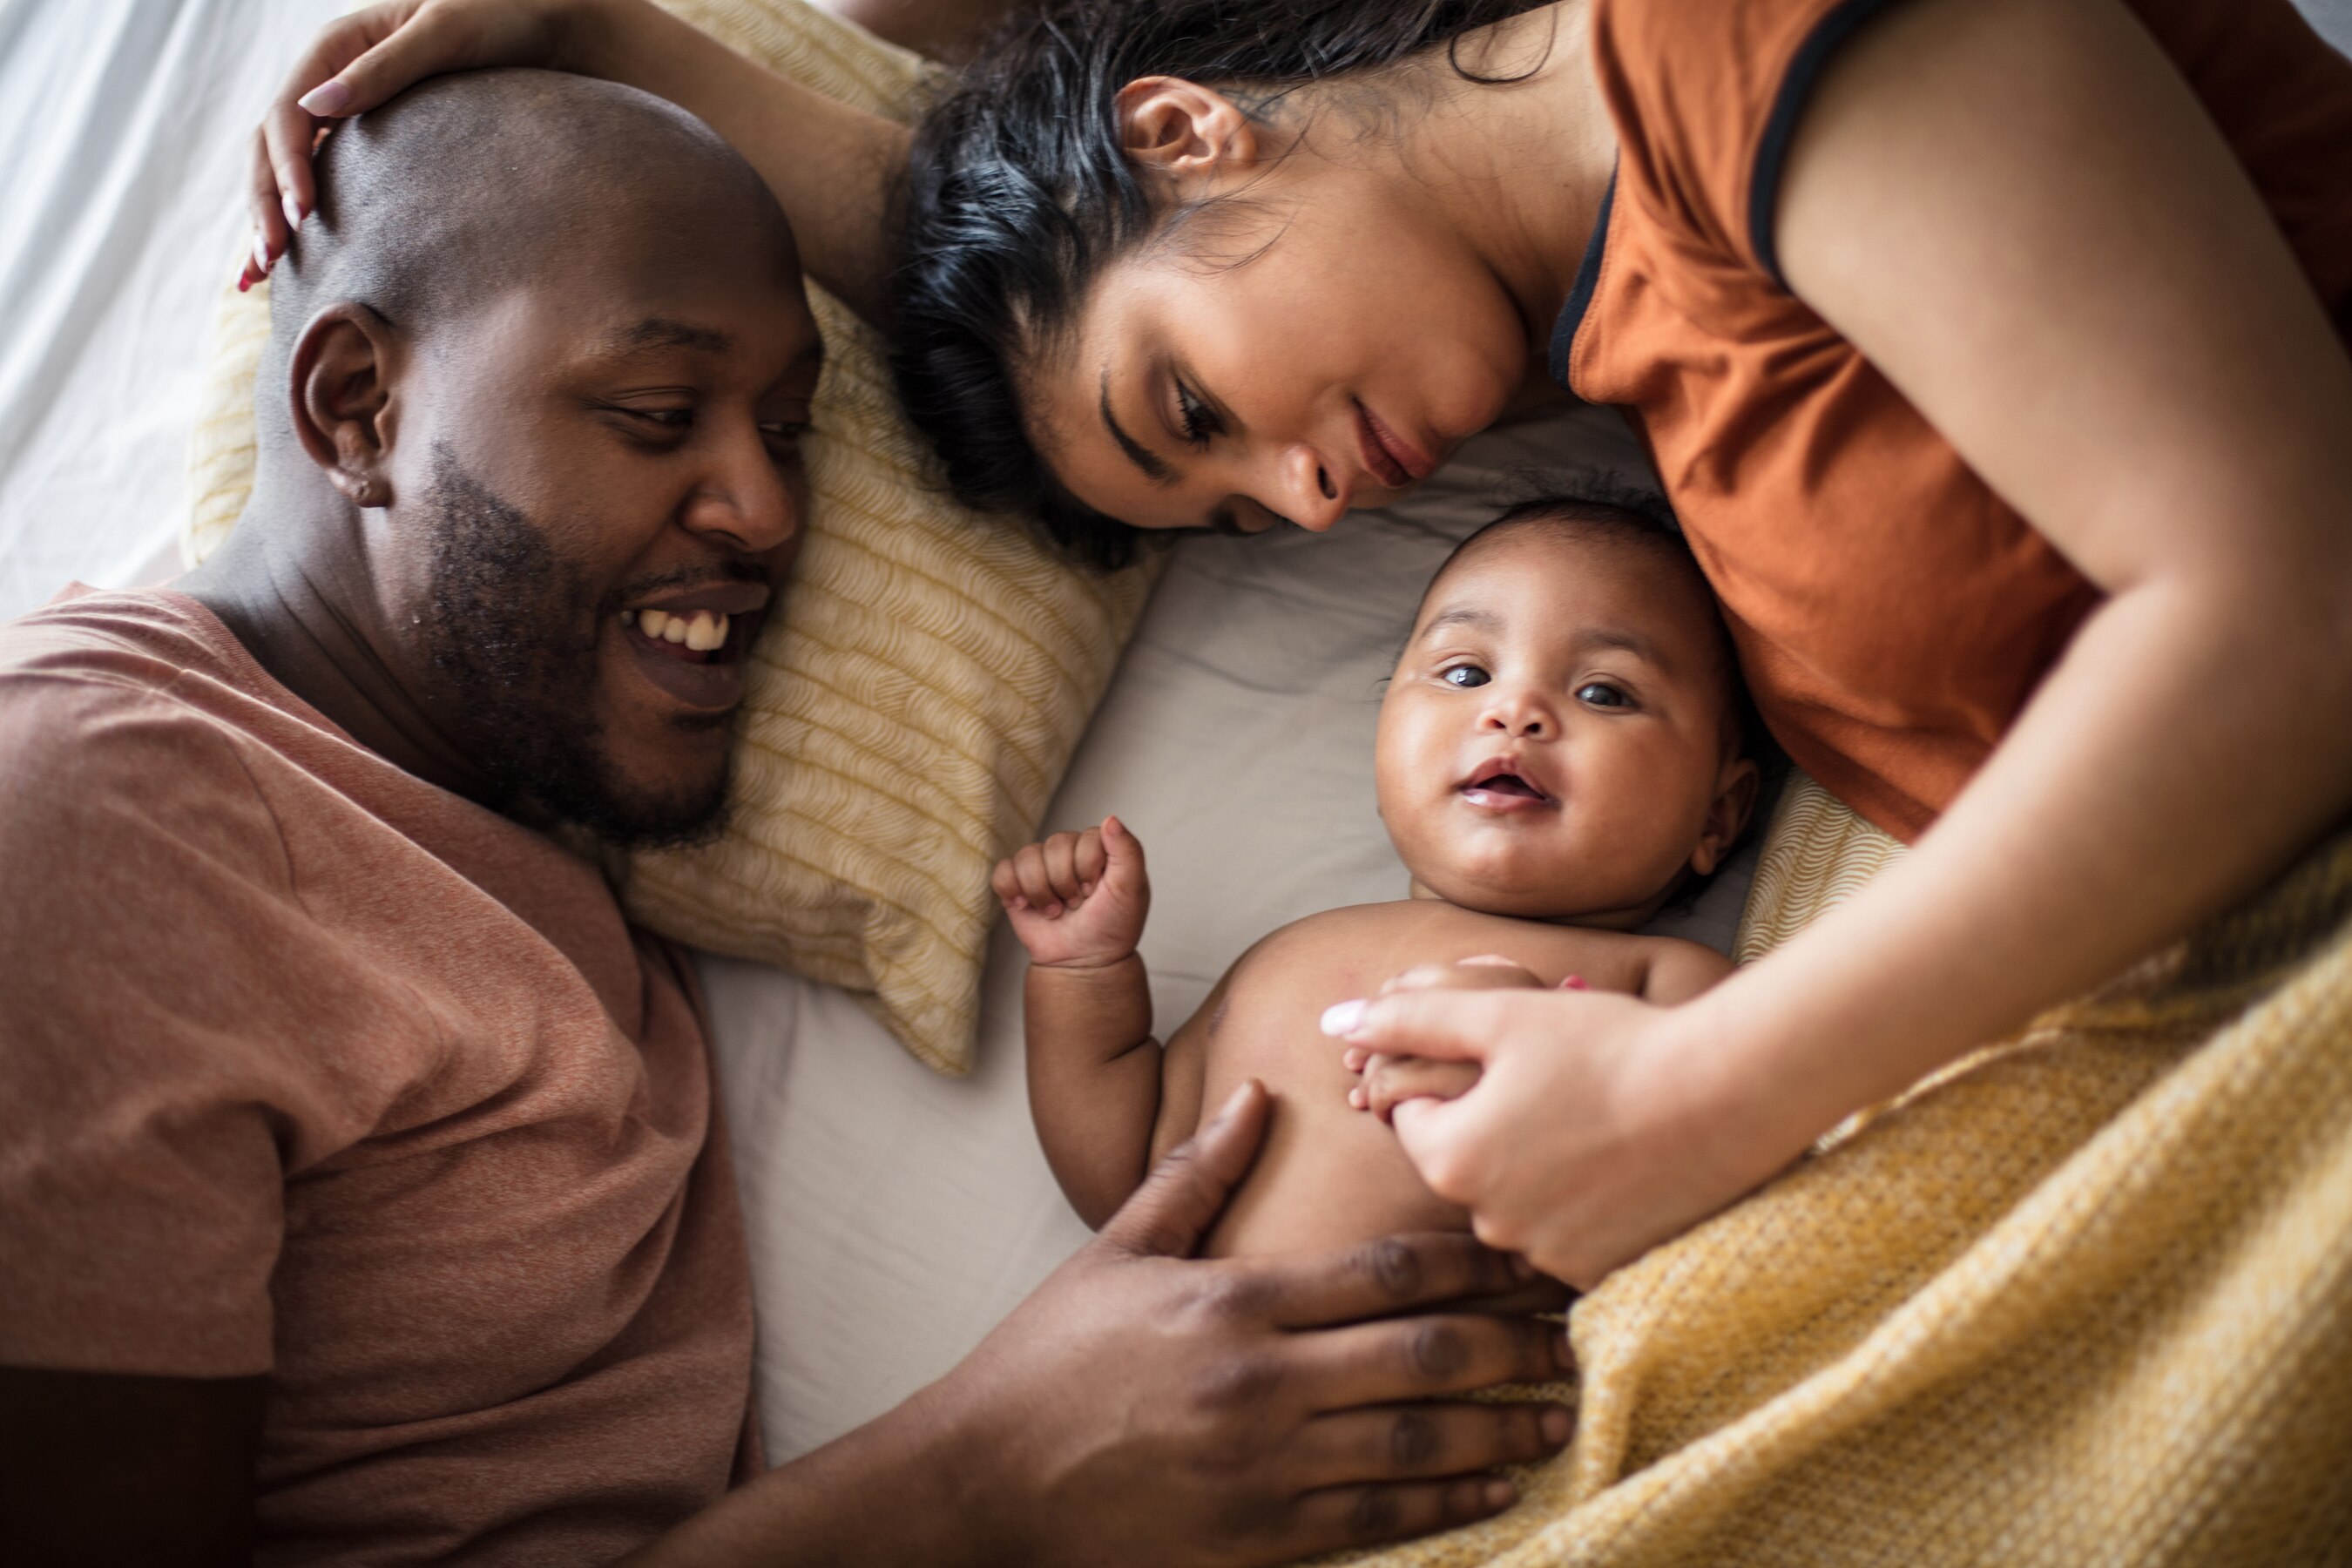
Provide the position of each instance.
(1389, 1081)
(1077, 899)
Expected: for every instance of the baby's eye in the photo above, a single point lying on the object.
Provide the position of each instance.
(1601, 694)
(1465, 676)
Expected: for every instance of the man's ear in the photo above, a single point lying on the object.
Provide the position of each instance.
(1726, 813)
(1183, 130)
(341, 399)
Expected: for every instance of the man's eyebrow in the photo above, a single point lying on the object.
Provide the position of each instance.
(662, 333)
(1142, 457)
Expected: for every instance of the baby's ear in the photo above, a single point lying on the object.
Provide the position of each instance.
(1726, 813)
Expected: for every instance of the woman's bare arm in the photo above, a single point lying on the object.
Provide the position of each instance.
(2020, 213)
(830, 164)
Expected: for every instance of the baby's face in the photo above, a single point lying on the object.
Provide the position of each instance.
(1554, 743)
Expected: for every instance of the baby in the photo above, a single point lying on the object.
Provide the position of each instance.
(1560, 753)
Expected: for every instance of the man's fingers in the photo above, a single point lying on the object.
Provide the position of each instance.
(1413, 1442)
(1186, 1194)
(1424, 1357)
(1382, 1278)
(1366, 1516)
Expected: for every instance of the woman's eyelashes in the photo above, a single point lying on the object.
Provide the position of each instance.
(1195, 418)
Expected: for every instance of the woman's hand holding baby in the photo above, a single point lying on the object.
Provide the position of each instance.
(1078, 900)
(1594, 1131)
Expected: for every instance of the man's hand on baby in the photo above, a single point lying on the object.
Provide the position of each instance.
(1146, 1406)
(1078, 900)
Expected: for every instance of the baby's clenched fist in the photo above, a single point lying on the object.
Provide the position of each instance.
(1077, 900)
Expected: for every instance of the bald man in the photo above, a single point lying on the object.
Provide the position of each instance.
(362, 1196)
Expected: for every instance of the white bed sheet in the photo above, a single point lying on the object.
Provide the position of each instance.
(896, 1216)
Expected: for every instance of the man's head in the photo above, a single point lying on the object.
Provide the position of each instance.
(548, 334)
(1563, 736)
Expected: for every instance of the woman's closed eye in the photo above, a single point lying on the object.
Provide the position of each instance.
(1195, 418)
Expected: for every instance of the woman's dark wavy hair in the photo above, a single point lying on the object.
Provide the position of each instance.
(1018, 195)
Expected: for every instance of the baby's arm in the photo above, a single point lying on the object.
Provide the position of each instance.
(1680, 970)
(1077, 902)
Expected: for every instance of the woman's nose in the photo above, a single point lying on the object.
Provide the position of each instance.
(1311, 493)
(742, 500)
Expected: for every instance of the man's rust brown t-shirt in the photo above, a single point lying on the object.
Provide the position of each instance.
(311, 1068)
(1893, 616)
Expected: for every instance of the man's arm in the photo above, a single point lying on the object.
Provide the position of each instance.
(1143, 1408)
(101, 1468)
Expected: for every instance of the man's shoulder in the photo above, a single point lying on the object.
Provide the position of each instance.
(99, 747)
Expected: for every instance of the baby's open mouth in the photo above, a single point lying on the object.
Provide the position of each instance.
(1502, 785)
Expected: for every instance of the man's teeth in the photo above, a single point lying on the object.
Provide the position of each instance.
(700, 630)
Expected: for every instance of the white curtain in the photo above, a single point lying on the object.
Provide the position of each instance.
(122, 159)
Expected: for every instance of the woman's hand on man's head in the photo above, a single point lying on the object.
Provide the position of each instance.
(361, 60)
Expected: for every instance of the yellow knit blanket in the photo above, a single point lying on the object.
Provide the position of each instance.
(2086, 1298)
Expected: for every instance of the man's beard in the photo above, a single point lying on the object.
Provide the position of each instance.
(513, 635)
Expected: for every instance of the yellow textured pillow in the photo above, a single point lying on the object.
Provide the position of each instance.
(912, 709)
(1817, 854)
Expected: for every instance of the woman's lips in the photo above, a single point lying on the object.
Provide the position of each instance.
(1389, 459)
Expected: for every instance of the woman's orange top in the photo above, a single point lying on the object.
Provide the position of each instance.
(1892, 615)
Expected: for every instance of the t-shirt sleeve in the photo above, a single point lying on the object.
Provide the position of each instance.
(144, 903)
(1707, 95)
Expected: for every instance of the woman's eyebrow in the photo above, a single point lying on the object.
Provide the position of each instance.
(1154, 467)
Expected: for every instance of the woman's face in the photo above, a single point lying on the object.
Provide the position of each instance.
(1323, 341)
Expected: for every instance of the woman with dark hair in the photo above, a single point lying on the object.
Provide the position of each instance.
(1990, 351)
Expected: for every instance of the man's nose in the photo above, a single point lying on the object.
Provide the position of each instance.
(742, 498)
(1309, 491)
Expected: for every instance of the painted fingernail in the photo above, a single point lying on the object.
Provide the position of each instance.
(1556, 1426)
(1500, 1494)
(293, 210)
(1343, 1018)
(1574, 983)
(261, 255)
(327, 98)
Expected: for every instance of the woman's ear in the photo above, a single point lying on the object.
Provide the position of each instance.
(341, 400)
(1726, 813)
(1183, 129)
